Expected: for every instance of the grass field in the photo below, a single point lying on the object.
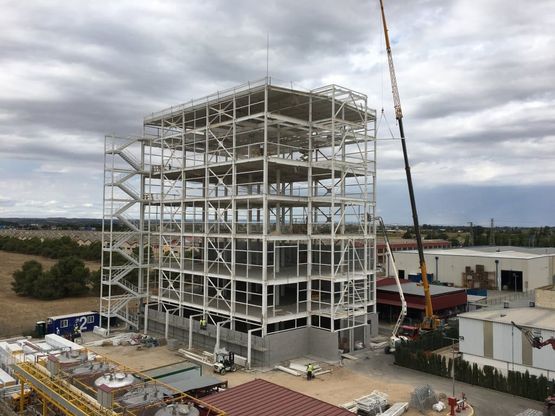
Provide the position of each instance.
(18, 314)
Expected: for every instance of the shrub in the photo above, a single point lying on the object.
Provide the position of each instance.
(68, 277)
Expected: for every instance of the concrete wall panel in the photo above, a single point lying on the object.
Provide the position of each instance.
(323, 344)
(287, 345)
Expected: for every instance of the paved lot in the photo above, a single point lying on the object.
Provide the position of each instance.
(485, 402)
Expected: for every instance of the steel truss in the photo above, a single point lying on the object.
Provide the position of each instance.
(256, 204)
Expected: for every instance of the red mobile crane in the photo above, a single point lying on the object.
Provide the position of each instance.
(538, 342)
(430, 321)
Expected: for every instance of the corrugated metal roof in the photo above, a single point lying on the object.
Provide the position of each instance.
(466, 252)
(411, 288)
(260, 397)
(529, 317)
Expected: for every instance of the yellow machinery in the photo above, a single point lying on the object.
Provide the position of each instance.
(430, 321)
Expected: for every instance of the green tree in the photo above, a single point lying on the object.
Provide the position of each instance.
(455, 242)
(94, 282)
(47, 287)
(24, 279)
(71, 275)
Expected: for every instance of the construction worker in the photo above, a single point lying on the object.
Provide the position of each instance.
(202, 323)
(76, 332)
(309, 371)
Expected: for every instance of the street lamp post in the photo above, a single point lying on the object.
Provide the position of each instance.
(497, 279)
(453, 359)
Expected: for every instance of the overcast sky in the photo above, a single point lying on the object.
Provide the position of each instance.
(476, 80)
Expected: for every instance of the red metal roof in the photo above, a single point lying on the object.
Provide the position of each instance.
(386, 281)
(439, 302)
(260, 397)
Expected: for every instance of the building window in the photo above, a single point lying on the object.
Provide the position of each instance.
(64, 323)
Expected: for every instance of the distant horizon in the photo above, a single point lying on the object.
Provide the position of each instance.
(386, 223)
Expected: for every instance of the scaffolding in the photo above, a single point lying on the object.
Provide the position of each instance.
(252, 206)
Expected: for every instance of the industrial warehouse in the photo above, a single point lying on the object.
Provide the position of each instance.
(515, 269)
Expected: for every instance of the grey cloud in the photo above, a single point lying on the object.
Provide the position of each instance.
(104, 65)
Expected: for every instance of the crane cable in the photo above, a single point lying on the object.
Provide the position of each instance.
(383, 116)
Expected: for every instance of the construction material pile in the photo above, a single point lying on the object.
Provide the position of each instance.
(423, 398)
(530, 412)
(373, 404)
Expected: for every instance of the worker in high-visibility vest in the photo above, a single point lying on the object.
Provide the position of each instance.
(309, 371)
(202, 323)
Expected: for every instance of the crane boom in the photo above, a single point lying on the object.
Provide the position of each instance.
(430, 320)
(403, 312)
(394, 88)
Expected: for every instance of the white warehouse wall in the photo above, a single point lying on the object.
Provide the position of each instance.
(545, 357)
(507, 343)
(471, 332)
(507, 347)
(536, 272)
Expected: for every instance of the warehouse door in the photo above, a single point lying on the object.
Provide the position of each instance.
(511, 280)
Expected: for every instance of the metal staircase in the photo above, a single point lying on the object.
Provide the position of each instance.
(122, 287)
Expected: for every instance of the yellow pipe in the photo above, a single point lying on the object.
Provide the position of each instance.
(22, 398)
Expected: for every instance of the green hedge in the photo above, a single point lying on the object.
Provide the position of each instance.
(413, 355)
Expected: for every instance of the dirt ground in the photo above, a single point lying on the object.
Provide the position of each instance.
(338, 387)
(372, 371)
(140, 360)
(19, 314)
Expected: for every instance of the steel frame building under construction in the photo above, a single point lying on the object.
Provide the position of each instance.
(252, 209)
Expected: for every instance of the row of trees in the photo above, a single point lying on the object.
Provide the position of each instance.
(509, 236)
(56, 248)
(412, 355)
(67, 278)
(480, 236)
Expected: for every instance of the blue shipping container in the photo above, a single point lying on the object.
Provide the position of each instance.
(417, 278)
(477, 292)
(64, 324)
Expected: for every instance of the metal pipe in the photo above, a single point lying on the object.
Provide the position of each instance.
(453, 361)
(497, 280)
(167, 327)
(146, 317)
